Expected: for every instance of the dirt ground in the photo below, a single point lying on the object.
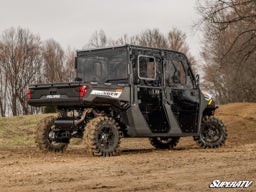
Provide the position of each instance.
(140, 167)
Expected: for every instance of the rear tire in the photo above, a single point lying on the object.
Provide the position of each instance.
(42, 140)
(102, 136)
(164, 142)
(213, 133)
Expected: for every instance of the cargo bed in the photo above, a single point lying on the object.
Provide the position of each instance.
(57, 94)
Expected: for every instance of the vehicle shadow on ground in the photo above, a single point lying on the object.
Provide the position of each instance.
(136, 151)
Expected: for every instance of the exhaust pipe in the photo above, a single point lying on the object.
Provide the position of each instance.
(77, 122)
(69, 124)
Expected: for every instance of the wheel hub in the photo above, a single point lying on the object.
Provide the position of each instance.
(106, 137)
(211, 134)
(51, 135)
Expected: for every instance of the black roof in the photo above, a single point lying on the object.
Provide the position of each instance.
(129, 46)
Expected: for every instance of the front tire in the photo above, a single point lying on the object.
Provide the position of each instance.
(102, 136)
(213, 133)
(42, 137)
(164, 142)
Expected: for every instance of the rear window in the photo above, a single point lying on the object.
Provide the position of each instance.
(103, 65)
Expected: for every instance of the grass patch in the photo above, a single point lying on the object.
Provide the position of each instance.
(19, 131)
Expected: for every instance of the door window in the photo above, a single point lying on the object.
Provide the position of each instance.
(179, 73)
(175, 74)
(146, 67)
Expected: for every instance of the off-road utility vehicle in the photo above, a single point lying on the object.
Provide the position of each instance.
(127, 91)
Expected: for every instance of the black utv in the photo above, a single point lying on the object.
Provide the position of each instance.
(127, 91)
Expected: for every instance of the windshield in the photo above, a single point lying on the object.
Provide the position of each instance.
(107, 65)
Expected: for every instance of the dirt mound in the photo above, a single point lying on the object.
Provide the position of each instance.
(140, 167)
(240, 120)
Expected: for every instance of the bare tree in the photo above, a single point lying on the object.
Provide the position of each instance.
(24, 61)
(239, 15)
(229, 48)
(151, 38)
(97, 40)
(69, 65)
(3, 92)
(177, 41)
(20, 59)
(53, 59)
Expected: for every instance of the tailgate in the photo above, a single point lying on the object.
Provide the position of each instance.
(56, 94)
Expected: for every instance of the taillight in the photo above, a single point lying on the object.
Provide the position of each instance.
(82, 90)
(29, 94)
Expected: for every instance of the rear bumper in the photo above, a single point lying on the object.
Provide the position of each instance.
(55, 102)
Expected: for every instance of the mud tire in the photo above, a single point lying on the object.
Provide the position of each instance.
(213, 133)
(163, 142)
(42, 136)
(102, 136)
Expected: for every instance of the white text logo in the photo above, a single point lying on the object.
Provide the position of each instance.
(230, 184)
(106, 93)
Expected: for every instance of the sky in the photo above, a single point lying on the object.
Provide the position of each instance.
(72, 22)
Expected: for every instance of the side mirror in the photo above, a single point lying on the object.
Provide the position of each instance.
(197, 80)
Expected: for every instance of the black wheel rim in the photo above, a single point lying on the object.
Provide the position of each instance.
(52, 134)
(106, 138)
(211, 133)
